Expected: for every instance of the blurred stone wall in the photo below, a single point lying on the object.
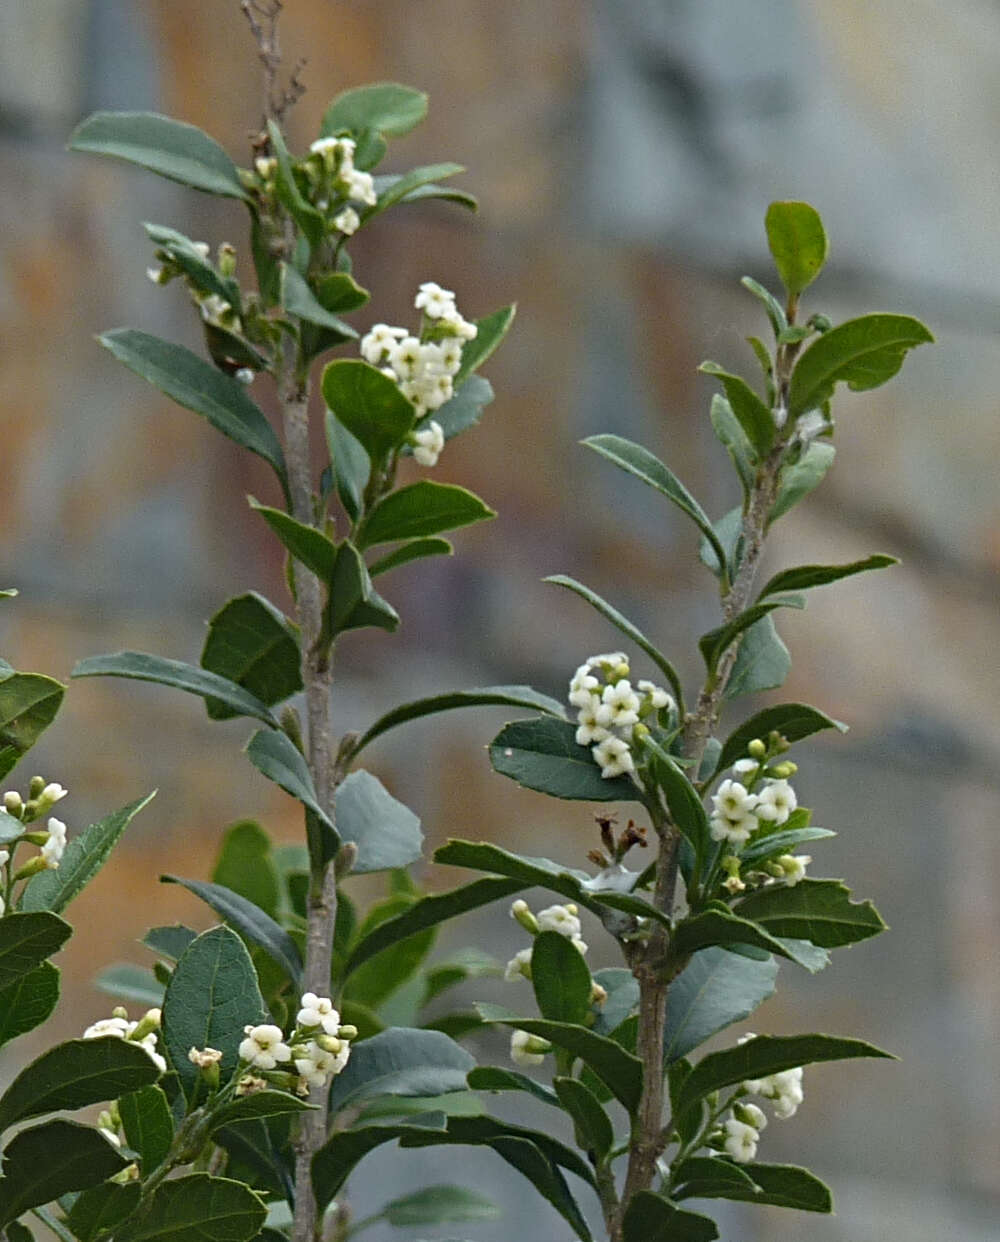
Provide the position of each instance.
(623, 152)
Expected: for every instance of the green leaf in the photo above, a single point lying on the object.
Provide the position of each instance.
(414, 550)
(353, 601)
(139, 666)
(264, 1103)
(246, 867)
(463, 411)
(129, 982)
(780, 1185)
(148, 1125)
(339, 291)
(201, 387)
(83, 857)
(729, 529)
(298, 299)
(426, 190)
(496, 1078)
(368, 404)
(437, 1205)
(396, 189)
(423, 508)
(862, 353)
(651, 1218)
(401, 1061)
(53, 1159)
(617, 1069)
(10, 828)
(734, 440)
(714, 644)
(714, 990)
(819, 911)
(26, 940)
(212, 995)
(170, 148)
(592, 1122)
(277, 756)
(305, 215)
(710, 1177)
(798, 243)
(387, 833)
(805, 576)
(683, 800)
(720, 926)
(344, 1149)
(800, 479)
(762, 662)
(183, 253)
(560, 977)
(102, 1208)
(350, 465)
(251, 921)
(169, 942)
(487, 696)
(28, 705)
(793, 721)
(197, 1208)
(622, 988)
(429, 912)
(28, 1001)
(251, 643)
(385, 107)
(749, 411)
(490, 331)
(75, 1074)
(543, 755)
(782, 842)
(765, 1055)
(644, 465)
(775, 311)
(623, 624)
(306, 543)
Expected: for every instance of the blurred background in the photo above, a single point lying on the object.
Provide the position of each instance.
(624, 152)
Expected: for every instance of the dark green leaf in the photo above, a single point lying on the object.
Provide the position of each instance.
(775, 311)
(212, 995)
(350, 464)
(487, 696)
(798, 243)
(414, 550)
(793, 721)
(169, 941)
(464, 410)
(246, 867)
(148, 1125)
(560, 977)
(436, 1205)
(734, 440)
(496, 1078)
(139, 666)
(762, 662)
(274, 754)
(354, 602)
(623, 624)
(259, 1104)
(714, 644)
(711, 1177)
(182, 252)
(719, 925)
(28, 1001)
(305, 215)
(201, 387)
(28, 705)
(395, 189)
(368, 404)
(651, 1218)
(617, 1069)
(780, 1185)
(422, 508)
(490, 331)
(800, 479)
(765, 1055)
(819, 911)
(26, 940)
(385, 107)
(339, 291)
(18, 1232)
(344, 1149)
(251, 921)
(428, 190)
(592, 1122)
(102, 1208)
(251, 643)
(714, 990)
(749, 411)
(306, 543)
(805, 576)
(863, 353)
(622, 988)
(298, 299)
(171, 148)
(197, 1208)
(683, 800)
(543, 755)
(129, 982)
(401, 1061)
(644, 465)
(387, 833)
(782, 842)
(53, 1159)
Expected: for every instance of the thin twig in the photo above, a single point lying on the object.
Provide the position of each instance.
(262, 17)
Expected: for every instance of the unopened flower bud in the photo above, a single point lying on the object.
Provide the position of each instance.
(32, 867)
(756, 749)
(120, 1011)
(329, 1043)
(227, 259)
(779, 744)
(784, 770)
(36, 786)
(347, 1031)
(13, 803)
(149, 1022)
(640, 731)
(520, 913)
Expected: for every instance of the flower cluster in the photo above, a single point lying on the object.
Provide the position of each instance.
(423, 366)
(144, 1032)
(562, 919)
(739, 1134)
(608, 709)
(318, 1047)
(337, 183)
(42, 796)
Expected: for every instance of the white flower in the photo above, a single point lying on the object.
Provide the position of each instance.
(519, 966)
(732, 801)
(589, 730)
(118, 1027)
(741, 1141)
(751, 1115)
(619, 705)
(657, 695)
(737, 831)
(437, 390)
(809, 425)
(148, 1044)
(360, 186)
(434, 301)
(614, 757)
(155, 274)
(527, 1049)
(322, 145)
(201, 249)
(451, 354)
(375, 345)
(612, 662)
(4, 857)
(54, 847)
(733, 884)
(347, 221)
(745, 767)
(51, 794)
(406, 357)
(582, 686)
(263, 1047)
(794, 867)
(428, 443)
(267, 166)
(775, 802)
(786, 1092)
(318, 1011)
(317, 1065)
(214, 307)
(204, 1058)
(459, 327)
(561, 919)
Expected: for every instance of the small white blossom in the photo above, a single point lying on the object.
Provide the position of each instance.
(347, 221)
(51, 794)
(732, 800)
(619, 705)
(561, 919)
(658, 697)
(155, 274)
(434, 301)
(741, 1141)
(406, 357)
(744, 767)
(527, 1049)
(775, 802)
(322, 145)
(263, 1047)
(751, 1115)
(458, 326)
(245, 375)
(589, 729)
(810, 425)
(794, 867)
(55, 846)
(148, 1044)
(214, 307)
(318, 1065)
(451, 354)
(612, 662)
(733, 885)
(376, 344)
(519, 966)
(318, 1011)
(202, 249)
(428, 443)
(614, 757)
(360, 187)
(118, 1027)
(267, 166)
(736, 831)
(4, 857)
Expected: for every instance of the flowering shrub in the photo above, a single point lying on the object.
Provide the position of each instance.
(264, 1068)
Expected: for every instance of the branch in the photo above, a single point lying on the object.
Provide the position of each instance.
(263, 16)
